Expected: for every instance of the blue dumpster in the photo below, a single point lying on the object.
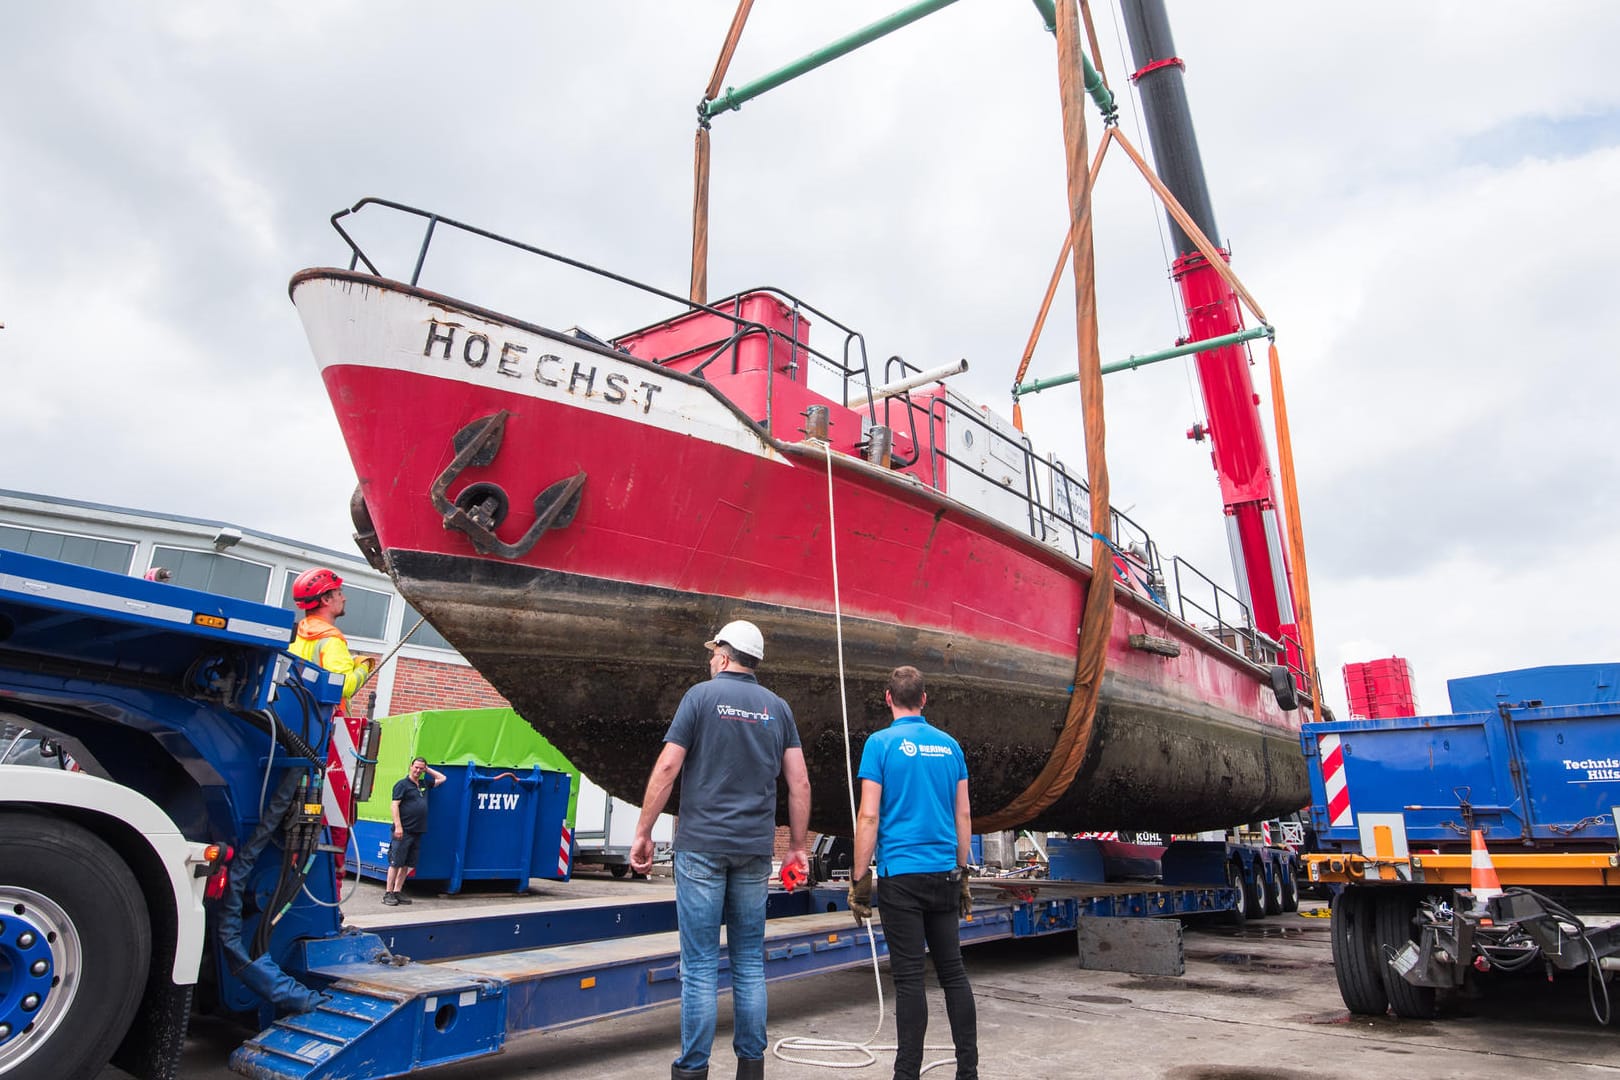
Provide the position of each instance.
(504, 819)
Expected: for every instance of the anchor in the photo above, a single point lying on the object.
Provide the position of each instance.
(481, 507)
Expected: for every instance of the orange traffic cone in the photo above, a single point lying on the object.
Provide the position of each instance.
(1482, 880)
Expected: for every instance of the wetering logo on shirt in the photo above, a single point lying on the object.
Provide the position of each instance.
(908, 748)
(731, 712)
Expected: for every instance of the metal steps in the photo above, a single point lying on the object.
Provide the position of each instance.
(374, 1034)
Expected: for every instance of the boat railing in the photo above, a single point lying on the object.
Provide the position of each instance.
(1053, 505)
(850, 369)
(1224, 617)
(1293, 658)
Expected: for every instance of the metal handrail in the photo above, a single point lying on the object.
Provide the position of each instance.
(853, 368)
(1244, 631)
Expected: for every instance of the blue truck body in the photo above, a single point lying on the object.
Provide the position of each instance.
(1546, 776)
(1472, 844)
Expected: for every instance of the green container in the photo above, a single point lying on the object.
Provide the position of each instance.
(497, 738)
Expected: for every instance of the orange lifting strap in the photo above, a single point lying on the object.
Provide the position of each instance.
(1096, 623)
(1098, 619)
(700, 165)
(1296, 533)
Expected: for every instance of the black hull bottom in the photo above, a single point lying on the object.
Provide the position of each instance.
(599, 667)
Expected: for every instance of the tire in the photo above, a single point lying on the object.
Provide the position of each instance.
(1397, 909)
(1290, 884)
(1254, 887)
(1272, 883)
(1356, 959)
(63, 881)
(1234, 881)
(618, 870)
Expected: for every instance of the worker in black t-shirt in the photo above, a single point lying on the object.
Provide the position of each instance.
(409, 806)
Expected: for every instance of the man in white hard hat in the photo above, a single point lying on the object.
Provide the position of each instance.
(730, 740)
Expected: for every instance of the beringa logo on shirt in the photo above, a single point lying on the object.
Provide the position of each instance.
(911, 749)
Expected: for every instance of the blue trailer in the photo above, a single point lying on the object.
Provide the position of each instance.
(1474, 844)
(186, 850)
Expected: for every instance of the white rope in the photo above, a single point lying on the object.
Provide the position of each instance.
(804, 1043)
(341, 898)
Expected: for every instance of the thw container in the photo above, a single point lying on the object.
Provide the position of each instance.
(502, 813)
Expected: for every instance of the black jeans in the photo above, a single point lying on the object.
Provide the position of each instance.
(919, 909)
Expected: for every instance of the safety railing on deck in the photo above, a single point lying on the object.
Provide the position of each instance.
(1226, 618)
(851, 370)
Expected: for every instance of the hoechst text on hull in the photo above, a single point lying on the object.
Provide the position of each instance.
(576, 515)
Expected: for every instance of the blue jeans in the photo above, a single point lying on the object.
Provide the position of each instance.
(712, 888)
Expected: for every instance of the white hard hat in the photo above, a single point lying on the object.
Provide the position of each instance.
(742, 636)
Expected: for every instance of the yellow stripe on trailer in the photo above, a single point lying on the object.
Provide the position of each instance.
(1585, 868)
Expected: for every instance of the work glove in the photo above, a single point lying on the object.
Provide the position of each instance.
(860, 898)
(967, 893)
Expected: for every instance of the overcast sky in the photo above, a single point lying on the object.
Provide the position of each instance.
(1421, 196)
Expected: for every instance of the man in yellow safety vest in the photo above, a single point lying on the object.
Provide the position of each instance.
(319, 593)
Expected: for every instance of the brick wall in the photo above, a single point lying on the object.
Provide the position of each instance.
(780, 844)
(424, 685)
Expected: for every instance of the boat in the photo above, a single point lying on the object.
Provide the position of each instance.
(577, 511)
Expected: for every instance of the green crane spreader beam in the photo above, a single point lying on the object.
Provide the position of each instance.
(733, 98)
(1035, 386)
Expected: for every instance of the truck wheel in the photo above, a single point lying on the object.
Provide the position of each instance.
(618, 869)
(1254, 887)
(1273, 886)
(1397, 910)
(1290, 885)
(1234, 881)
(1356, 959)
(75, 943)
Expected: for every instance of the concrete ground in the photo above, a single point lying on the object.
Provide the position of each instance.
(1256, 1003)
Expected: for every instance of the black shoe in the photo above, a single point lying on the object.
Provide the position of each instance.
(750, 1069)
(390, 899)
(678, 1073)
(401, 898)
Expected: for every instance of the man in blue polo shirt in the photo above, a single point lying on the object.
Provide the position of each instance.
(730, 739)
(915, 811)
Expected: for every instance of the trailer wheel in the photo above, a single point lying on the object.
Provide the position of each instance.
(1356, 958)
(1290, 884)
(618, 870)
(75, 943)
(1273, 886)
(1397, 911)
(1254, 888)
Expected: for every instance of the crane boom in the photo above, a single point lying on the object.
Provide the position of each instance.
(1241, 458)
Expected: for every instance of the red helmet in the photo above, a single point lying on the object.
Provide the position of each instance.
(311, 585)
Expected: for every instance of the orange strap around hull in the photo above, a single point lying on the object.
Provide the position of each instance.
(1097, 620)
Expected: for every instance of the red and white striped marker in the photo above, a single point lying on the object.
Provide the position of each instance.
(1338, 794)
(566, 852)
(337, 797)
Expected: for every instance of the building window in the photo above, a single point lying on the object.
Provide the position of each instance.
(365, 611)
(224, 575)
(427, 636)
(111, 555)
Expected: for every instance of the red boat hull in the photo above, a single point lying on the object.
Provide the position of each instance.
(691, 515)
